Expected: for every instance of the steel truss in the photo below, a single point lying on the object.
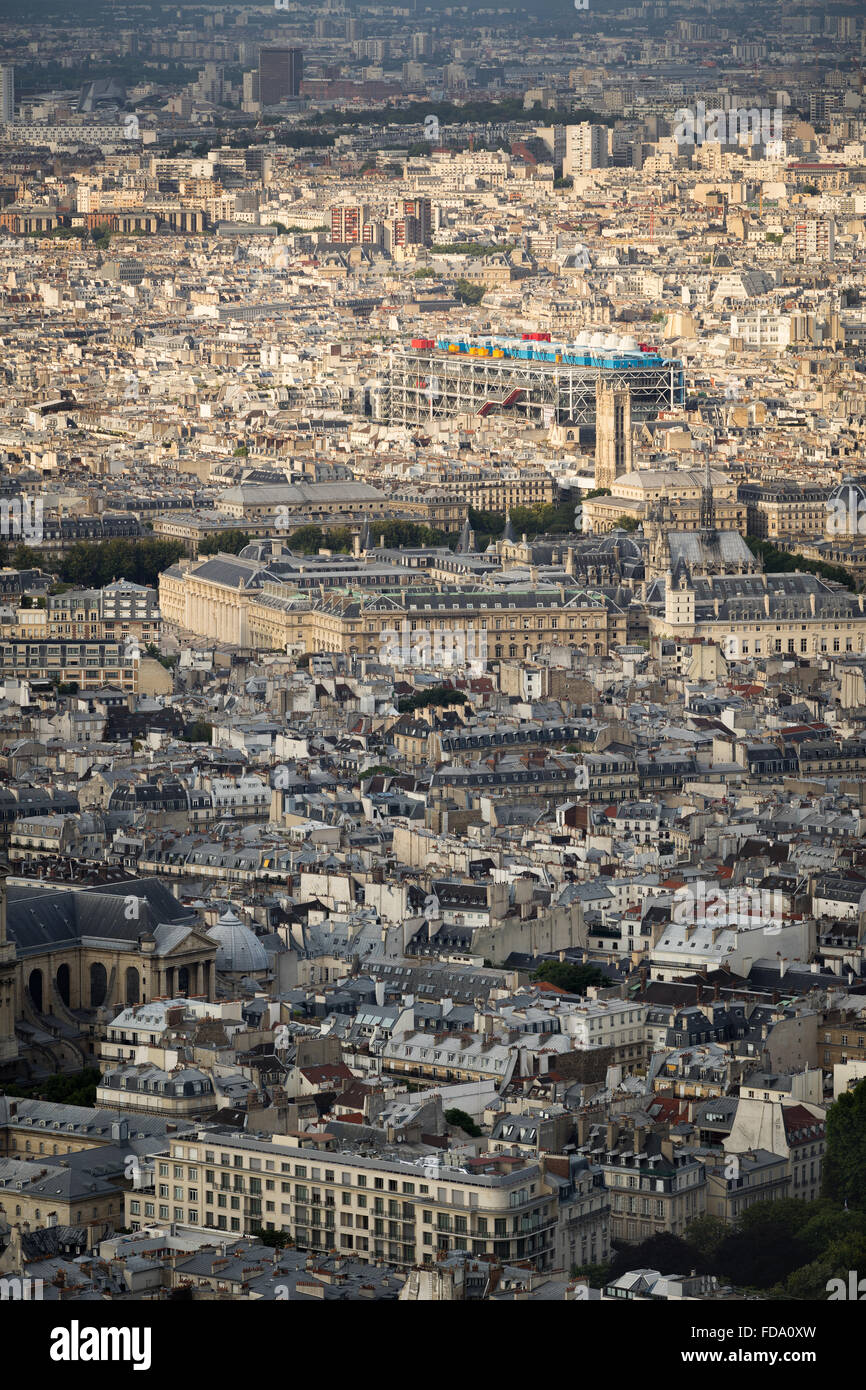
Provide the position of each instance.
(427, 384)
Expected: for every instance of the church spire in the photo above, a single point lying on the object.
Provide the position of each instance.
(466, 543)
(708, 502)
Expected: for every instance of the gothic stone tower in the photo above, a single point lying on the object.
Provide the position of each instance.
(613, 455)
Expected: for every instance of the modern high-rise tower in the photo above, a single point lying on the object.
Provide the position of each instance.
(7, 93)
(280, 73)
(613, 450)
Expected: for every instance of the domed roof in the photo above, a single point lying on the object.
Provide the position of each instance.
(240, 952)
(622, 540)
(849, 489)
(846, 508)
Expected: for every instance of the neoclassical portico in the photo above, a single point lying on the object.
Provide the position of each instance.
(71, 953)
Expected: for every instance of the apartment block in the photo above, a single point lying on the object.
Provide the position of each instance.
(377, 1209)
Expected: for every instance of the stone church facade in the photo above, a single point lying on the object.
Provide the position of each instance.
(71, 958)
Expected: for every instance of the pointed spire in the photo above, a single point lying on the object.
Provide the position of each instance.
(708, 502)
(508, 533)
(466, 544)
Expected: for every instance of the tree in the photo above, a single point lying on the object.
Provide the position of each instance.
(765, 1246)
(229, 542)
(169, 662)
(595, 1275)
(541, 518)
(307, 539)
(827, 1224)
(69, 1088)
(93, 564)
(468, 293)
(786, 561)
(667, 1253)
(477, 250)
(460, 1120)
(706, 1234)
(198, 732)
(277, 1240)
(438, 696)
(406, 534)
(23, 558)
(575, 979)
(340, 539)
(845, 1156)
(480, 112)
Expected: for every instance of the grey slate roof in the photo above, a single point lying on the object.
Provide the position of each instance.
(40, 918)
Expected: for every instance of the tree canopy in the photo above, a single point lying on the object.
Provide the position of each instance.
(845, 1157)
(576, 979)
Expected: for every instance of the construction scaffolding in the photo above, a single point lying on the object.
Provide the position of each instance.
(427, 384)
